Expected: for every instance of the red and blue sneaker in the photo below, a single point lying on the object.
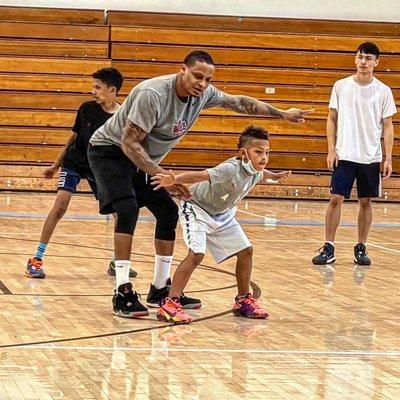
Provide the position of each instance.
(34, 268)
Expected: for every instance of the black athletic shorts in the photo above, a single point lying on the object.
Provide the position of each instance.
(118, 178)
(367, 176)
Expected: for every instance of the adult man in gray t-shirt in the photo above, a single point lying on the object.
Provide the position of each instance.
(155, 116)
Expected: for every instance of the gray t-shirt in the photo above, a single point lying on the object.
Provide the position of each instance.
(228, 185)
(154, 106)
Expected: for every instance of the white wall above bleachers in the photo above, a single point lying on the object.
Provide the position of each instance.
(361, 10)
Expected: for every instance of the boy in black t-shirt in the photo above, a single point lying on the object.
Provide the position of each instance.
(73, 157)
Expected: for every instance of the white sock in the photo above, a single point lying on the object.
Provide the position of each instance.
(121, 272)
(331, 243)
(162, 270)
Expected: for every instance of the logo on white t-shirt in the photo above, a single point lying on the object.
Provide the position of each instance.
(179, 128)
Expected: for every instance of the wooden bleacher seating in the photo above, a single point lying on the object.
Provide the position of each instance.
(47, 57)
(251, 24)
(46, 61)
(298, 61)
(53, 15)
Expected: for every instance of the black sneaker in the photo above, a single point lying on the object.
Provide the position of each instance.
(189, 303)
(361, 255)
(126, 303)
(111, 270)
(326, 255)
(155, 296)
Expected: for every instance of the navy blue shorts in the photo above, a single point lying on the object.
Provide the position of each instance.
(368, 179)
(69, 180)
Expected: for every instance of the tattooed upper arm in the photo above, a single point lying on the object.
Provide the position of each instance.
(131, 145)
(133, 133)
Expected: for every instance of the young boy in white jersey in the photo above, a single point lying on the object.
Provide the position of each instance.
(208, 220)
(360, 113)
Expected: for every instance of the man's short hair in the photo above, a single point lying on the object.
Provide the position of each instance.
(369, 48)
(198, 55)
(109, 76)
(250, 133)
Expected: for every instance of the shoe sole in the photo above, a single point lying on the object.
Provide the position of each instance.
(194, 306)
(136, 314)
(152, 305)
(171, 320)
(329, 261)
(253, 316)
(35, 277)
(361, 263)
(185, 307)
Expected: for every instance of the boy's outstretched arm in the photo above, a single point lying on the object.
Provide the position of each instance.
(276, 176)
(165, 180)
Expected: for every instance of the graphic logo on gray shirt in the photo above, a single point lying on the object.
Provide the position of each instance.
(179, 128)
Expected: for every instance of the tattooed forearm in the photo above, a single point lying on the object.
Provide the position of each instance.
(248, 105)
(131, 146)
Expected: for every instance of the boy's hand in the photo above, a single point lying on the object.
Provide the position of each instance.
(281, 176)
(180, 191)
(163, 180)
(50, 171)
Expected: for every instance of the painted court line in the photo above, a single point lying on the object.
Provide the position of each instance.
(229, 351)
(110, 235)
(267, 240)
(384, 247)
(253, 214)
(266, 221)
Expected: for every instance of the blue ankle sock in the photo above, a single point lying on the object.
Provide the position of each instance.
(40, 250)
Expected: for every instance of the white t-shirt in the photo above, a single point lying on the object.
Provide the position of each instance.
(360, 113)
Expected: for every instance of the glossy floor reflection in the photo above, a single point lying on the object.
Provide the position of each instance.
(333, 331)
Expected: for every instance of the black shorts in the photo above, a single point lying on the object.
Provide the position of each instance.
(69, 179)
(118, 178)
(368, 179)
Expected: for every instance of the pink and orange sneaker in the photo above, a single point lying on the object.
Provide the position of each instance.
(248, 307)
(171, 311)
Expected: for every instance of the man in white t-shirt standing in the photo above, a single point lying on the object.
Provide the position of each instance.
(360, 113)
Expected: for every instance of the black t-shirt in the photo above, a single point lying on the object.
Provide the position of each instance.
(89, 118)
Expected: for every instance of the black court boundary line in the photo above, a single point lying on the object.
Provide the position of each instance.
(175, 263)
(256, 294)
(100, 295)
(102, 248)
(254, 286)
(4, 289)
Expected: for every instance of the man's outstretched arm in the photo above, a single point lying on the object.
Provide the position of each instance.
(251, 106)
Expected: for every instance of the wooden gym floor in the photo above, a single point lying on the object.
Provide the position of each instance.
(333, 332)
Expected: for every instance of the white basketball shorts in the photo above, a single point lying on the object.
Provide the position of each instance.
(221, 234)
